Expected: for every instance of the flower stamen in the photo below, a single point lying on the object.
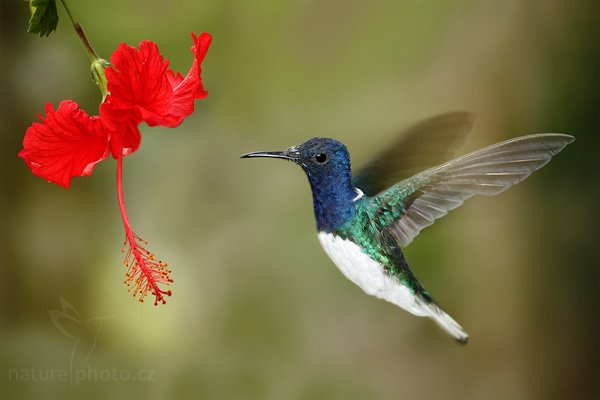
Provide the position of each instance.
(144, 272)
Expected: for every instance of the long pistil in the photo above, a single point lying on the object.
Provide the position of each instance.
(144, 272)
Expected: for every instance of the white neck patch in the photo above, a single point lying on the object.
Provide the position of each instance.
(359, 194)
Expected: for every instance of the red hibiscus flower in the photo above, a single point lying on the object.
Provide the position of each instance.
(68, 142)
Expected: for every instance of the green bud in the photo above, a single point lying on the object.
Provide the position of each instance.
(97, 68)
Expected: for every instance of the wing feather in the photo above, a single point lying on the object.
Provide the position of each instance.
(430, 142)
(487, 172)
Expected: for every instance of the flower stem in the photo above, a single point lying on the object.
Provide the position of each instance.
(144, 272)
(120, 197)
(86, 43)
(98, 64)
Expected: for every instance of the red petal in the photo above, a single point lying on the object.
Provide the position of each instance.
(125, 135)
(138, 80)
(187, 89)
(139, 89)
(67, 143)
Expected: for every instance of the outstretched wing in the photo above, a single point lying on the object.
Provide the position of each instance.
(423, 145)
(417, 202)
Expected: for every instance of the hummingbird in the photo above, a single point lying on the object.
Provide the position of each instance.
(365, 219)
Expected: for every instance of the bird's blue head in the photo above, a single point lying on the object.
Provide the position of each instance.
(326, 163)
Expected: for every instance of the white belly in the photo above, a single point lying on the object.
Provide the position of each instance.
(369, 274)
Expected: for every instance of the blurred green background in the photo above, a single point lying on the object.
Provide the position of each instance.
(258, 310)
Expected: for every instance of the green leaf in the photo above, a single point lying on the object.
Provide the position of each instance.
(44, 17)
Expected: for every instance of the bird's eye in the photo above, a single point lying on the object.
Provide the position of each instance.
(321, 158)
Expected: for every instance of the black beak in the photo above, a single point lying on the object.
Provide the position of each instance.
(286, 155)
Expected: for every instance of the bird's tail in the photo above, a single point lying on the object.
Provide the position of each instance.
(446, 322)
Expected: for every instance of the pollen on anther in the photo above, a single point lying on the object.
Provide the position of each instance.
(144, 274)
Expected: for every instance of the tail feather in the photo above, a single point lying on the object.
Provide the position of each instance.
(446, 322)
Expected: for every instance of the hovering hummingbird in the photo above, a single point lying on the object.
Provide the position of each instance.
(365, 219)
